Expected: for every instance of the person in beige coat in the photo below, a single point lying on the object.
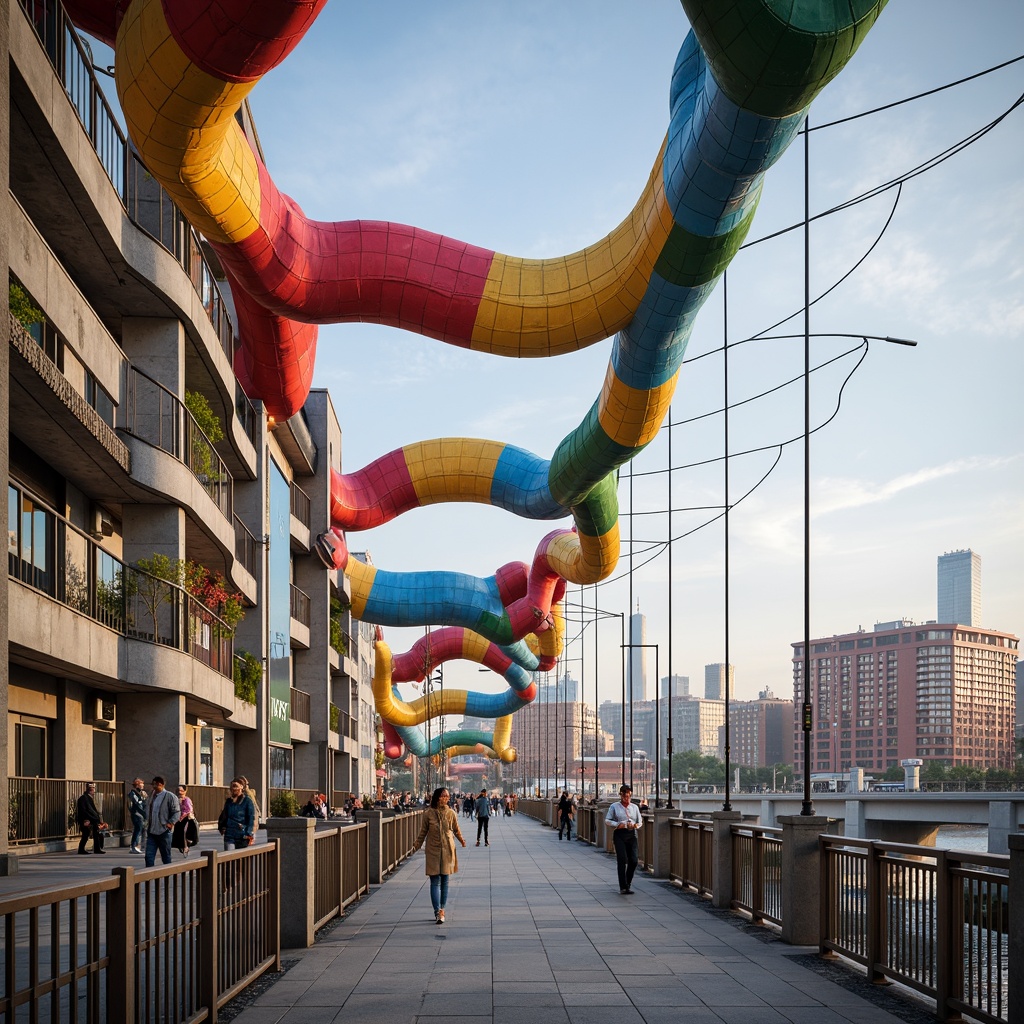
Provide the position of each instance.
(439, 832)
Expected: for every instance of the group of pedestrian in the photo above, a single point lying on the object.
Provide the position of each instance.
(166, 821)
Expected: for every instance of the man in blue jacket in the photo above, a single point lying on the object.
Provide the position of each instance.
(482, 806)
(161, 817)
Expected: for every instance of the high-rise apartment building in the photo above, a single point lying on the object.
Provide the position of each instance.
(680, 686)
(636, 665)
(561, 689)
(959, 588)
(714, 681)
(760, 732)
(119, 368)
(939, 692)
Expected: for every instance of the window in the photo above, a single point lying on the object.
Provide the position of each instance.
(98, 398)
(865, 641)
(30, 749)
(102, 755)
(30, 533)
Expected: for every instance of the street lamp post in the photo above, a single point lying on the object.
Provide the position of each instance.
(657, 723)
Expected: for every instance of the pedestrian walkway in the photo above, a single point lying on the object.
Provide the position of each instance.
(538, 933)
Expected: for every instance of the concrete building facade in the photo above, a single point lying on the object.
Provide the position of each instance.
(119, 359)
(939, 692)
(760, 732)
(714, 681)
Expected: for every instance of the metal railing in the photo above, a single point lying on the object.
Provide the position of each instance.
(69, 566)
(41, 810)
(162, 944)
(690, 853)
(300, 706)
(157, 416)
(300, 606)
(300, 505)
(935, 920)
(398, 833)
(757, 872)
(246, 548)
(341, 870)
(586, 827)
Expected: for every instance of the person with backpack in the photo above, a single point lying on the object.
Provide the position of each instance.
(482, 806)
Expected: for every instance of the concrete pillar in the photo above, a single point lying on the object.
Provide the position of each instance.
(856, 820)
(375, 828)
(156, 346)
(1015, 954)
(151, 736)
(295, 848)
(801, 878)
(767, 816)
(662, 839)
(1002, 823)
(721, 857)
(153, 529)
(8, 861)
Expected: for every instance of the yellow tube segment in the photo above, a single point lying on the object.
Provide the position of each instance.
(553, 306)
(453, 469)
(633, 416)
(581, 559)
(183, 122)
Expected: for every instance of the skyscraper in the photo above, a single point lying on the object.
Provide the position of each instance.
(714, 681)
(636, 676)
(959, 587)
(680, 686)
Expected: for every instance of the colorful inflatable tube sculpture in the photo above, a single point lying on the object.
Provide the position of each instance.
(740, 89)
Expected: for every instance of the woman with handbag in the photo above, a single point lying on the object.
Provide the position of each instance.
(237, 821)
(186, 829)
(439, 832)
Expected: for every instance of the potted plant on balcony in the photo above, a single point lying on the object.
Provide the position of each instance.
(211, 431)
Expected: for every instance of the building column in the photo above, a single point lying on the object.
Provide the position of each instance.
(856, 820)
(151, 736)
(721, 857)
(156, 346)
(1002, 823)
(8, 861)
(801, 878)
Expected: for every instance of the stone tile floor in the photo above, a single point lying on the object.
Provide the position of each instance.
(538, 933)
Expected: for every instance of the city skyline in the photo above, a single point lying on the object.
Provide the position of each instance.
(505, 129)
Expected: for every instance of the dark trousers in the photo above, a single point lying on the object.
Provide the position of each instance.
(97, 838)
(565, 821)
(627, 854)
(481, 826)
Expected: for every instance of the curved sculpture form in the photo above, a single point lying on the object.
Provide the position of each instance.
(740, 88)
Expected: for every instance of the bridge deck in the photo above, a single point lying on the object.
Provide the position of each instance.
(538, 933)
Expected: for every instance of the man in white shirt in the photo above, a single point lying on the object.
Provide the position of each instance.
(624, 817)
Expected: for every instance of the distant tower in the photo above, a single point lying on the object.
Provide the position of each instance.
(636, 677)
(959, 580)
(680, 686)
(714, 681)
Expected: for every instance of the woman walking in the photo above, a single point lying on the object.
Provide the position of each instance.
(440, 830)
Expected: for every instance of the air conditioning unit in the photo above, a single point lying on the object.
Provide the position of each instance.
(104, 712)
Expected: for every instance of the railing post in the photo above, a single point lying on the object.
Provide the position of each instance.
(1015, 902)
(661, 859)
(876, 924)
(295, 838)
(801, 878)
(756, 876)
(209, 944)
(949, 979)
(275, 902)
(121, 947)
(375, 845)
(721, 866)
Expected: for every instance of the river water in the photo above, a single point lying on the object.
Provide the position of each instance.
(962, 837)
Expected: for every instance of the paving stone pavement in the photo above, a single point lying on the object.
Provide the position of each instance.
(538, 933)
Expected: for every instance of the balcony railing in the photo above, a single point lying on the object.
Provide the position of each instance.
(52, 555)
(157, 416)
(43, 810)
(300, 606)
(300, 505)
(145, 201)
(300, 706)
(246, 548)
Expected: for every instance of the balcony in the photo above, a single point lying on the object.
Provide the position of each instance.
(300, 714)
(300, 519)
(54, 557)
(300, 618)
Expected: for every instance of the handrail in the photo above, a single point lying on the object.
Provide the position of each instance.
(246, 548)
(44, 809)
(300, 702)
(757, 871)
(155, 414)
(300, 606)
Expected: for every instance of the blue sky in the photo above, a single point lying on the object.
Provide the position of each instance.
(530, 129)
